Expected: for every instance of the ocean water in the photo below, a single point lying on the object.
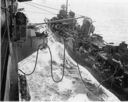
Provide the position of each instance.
(115, 30)
(70, 89)
(111, 20)
(110, 16)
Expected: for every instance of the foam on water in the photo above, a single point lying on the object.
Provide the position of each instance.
(71, 89)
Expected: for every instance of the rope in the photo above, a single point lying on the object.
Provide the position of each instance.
(100, 83)
(27, 74)
(80, 74)
(44, 6)
(40, 8)
(57, 81)
(84, 82)
(39, 12)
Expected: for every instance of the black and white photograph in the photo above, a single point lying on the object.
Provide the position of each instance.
(64, 50)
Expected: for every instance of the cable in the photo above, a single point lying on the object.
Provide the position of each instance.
(80, 74)
(27, 74)
(40, 12)
(57, 81)
(44, 6)
(40, 8)
(50, 7)
(84, 82)
(60, 20)
(100, 82)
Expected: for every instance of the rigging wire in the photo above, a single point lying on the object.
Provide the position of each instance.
(84, 81)
(51, 7)
(81, 75)
(40, 8)
(57, 81)
(61, 20)
(40, 12)
(44, 6)
(100, 82)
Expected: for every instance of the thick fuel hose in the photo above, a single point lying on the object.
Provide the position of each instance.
(57, 81)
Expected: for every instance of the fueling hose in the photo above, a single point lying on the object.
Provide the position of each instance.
(57, 81)
(27, 74)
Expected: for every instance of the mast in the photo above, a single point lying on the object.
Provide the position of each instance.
(67, 7)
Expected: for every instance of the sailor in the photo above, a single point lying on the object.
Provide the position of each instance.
(82, 50)
(87, 27)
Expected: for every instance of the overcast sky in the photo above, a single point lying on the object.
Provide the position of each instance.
(83, 7)
(111, 16)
